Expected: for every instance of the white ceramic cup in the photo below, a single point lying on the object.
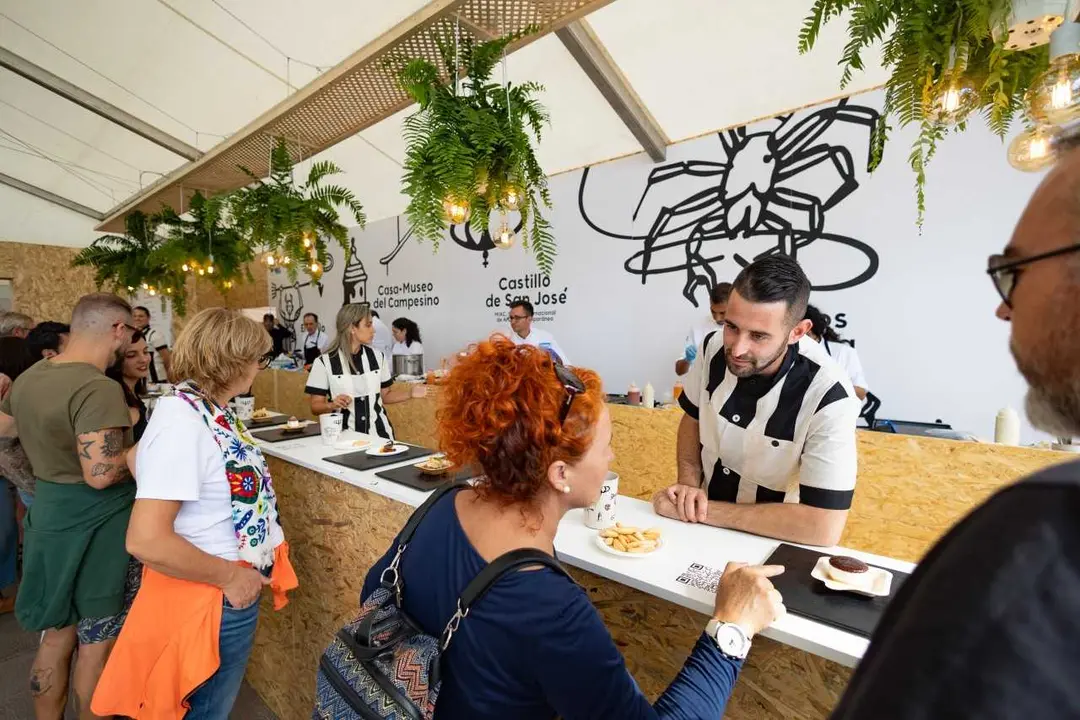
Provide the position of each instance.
(601, 514)
(245, 407)
(330, 427)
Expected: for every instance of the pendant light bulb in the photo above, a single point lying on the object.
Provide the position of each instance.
(270, 260)
(285, 260)
(504, 239)
(455, 210)
(315, 267)
(210, 269)
(1031, 150)
(228, 284)
(185, 267)
(511, 197)
(201, 272)
(307, 240)
(955, 96)
(145, 286)
(131, 289)
(168, 290)
(152, 292)
(1054, 96)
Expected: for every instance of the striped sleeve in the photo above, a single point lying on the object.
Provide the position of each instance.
(828, 466)
(696, 378)
(318, 382)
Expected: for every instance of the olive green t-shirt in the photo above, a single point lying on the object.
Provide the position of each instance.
(53, 403)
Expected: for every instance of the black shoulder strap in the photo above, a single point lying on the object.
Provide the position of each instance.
(410, 527)
(505, 563)
(705, 342)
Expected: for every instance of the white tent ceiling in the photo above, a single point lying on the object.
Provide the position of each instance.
(201, 69)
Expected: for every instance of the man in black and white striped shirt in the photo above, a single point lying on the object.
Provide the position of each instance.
(767, 444)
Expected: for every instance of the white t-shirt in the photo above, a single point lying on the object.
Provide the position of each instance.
(403, 349)
(178, 459)
(845, 356)
(541, 339)
(155, 343)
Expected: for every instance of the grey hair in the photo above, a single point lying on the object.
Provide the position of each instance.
(348, 316)
(12, 321)
(98, 313)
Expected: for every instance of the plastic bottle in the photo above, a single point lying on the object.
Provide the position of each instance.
(648, 398)
(633, 396)
(1007, 427)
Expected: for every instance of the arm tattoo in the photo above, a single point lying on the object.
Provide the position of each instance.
(112, 443)
(118, 473)
(101, 469)
(84, 449)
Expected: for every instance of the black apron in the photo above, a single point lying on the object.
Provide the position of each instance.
(310, 353)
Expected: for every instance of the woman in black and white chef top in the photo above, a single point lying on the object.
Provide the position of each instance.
(353, 378)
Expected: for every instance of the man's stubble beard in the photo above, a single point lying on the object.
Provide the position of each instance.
(1052, 402)
(756, 367)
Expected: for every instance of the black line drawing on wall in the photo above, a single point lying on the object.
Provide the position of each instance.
(290, 301)
(761, 190)
(462, 235)
(401, 240)
(354, 279)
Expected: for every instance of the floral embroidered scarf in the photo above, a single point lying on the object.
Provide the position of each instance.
(254, 505)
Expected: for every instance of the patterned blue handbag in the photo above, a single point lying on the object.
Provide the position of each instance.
(382, 665)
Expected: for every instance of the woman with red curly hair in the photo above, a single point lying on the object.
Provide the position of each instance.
(534, 646)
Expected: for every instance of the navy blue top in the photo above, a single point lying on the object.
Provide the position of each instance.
(534, 646)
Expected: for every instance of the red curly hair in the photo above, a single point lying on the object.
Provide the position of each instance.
(500, 412)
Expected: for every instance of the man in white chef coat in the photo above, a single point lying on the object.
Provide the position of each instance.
(523, 332)
(315, 340)
(718, 299)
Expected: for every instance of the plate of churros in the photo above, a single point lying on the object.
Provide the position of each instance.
(628, 541)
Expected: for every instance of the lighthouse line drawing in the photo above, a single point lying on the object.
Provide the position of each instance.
(354, 280)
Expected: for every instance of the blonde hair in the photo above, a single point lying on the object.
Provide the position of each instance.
(215, 348)
(348, 316)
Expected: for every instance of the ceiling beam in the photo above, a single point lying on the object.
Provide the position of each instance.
(50, 197)
(68, 91)
(586, 48)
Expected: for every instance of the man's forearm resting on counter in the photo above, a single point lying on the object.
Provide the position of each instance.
(688, 452)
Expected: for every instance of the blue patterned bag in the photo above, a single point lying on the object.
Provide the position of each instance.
(382, 665)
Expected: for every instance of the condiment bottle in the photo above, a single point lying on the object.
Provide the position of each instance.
(633, 397)
(678, 390)
(648, 398)
(1007, 427)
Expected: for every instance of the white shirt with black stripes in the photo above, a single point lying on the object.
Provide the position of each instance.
(787, 438)
(331, 376)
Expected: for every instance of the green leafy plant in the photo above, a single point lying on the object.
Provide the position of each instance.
(926, 44)
(278, 216)
(474, 144)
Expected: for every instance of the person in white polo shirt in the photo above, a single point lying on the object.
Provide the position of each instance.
(523, 332)
(767, 444)
(160, 355)
(718, 298)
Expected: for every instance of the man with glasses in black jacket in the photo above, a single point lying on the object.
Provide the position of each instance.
(987, 626)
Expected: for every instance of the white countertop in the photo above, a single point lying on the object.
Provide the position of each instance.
(655, 574)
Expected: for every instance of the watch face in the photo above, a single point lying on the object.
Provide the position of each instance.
(730, 641)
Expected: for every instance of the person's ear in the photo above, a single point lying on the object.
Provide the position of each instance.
(801, 328)
(557, 477)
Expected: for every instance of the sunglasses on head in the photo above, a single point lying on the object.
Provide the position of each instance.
(571, 384)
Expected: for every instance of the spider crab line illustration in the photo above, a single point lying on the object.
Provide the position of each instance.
(744, 198)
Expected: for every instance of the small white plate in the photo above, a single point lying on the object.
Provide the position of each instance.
(879, 585)
(398, 449)
(354, 445)
(618, 553)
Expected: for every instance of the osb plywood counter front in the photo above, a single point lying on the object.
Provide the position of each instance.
(910, 491)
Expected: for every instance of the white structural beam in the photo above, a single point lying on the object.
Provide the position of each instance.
(63, 88)
(50, 197)
(586, 48)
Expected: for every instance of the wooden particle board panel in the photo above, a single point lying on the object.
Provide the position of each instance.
(44, 284)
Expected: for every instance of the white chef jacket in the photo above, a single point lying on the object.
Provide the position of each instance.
(318, 339)
(541, 339)
(331, 376)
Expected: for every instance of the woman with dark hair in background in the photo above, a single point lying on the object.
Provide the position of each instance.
(406, 337)
(131, 371)
(839, 349)
(13, 360)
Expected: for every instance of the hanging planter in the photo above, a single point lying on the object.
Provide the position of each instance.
(289, 223)
(469, 147)
(947, 59)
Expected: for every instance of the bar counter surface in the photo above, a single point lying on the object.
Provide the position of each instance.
(340, 521)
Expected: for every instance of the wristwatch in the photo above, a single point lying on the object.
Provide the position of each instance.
(733, 641)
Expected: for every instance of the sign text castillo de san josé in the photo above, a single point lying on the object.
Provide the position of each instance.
(536, 283)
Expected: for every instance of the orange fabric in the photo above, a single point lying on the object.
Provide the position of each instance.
(157, 663)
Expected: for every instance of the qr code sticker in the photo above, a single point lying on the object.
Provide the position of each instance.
(701, 577)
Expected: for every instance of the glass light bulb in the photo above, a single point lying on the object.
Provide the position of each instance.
(131, 289)
(270, 260)
(315, 267)
(185, 267)
(228, 284)
(201, 271)
(504, 239)
(511, 198)
(285, 260)
(210, 269)
(307, 240)
(455, 210)
(954, 97)
(145, 286)
(168, 290)
(1054, 96)
(1030, 151)
(151, 291)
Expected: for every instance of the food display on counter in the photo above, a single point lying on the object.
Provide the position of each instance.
(262, 414)
(293, 423)
(842, 573)
(435, 465)
(629, 540)
(389, 448)
(845, 569)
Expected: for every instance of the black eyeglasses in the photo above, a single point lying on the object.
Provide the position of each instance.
(1004, 272)
(265, 360)
(573, 386)
(518, 317)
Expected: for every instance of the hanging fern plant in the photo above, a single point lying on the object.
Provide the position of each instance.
(931, 47)
(205, 243)
(292, 222)
(469, 149)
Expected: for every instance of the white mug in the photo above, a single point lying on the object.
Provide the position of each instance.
(245, 407)
(330, 427)
(601, 514)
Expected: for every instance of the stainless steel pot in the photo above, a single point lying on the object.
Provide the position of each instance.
(409, 365)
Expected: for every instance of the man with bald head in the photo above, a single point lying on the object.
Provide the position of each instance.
(987, 625)
(75, 429)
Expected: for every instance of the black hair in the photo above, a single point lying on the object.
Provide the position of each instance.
(374, 314)
(45, 336)
(140, 307)
(411, 330)
(116, 372)
(14, 357)
(313, 316)
(821, 324)
(776, 278)
(524, 305)
(268, 316)
(720, 293)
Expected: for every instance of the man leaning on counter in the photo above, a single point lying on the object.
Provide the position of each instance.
(767, 444)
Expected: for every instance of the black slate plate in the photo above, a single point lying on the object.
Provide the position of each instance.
(362, 461)
(281, 434)
(411, 476)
